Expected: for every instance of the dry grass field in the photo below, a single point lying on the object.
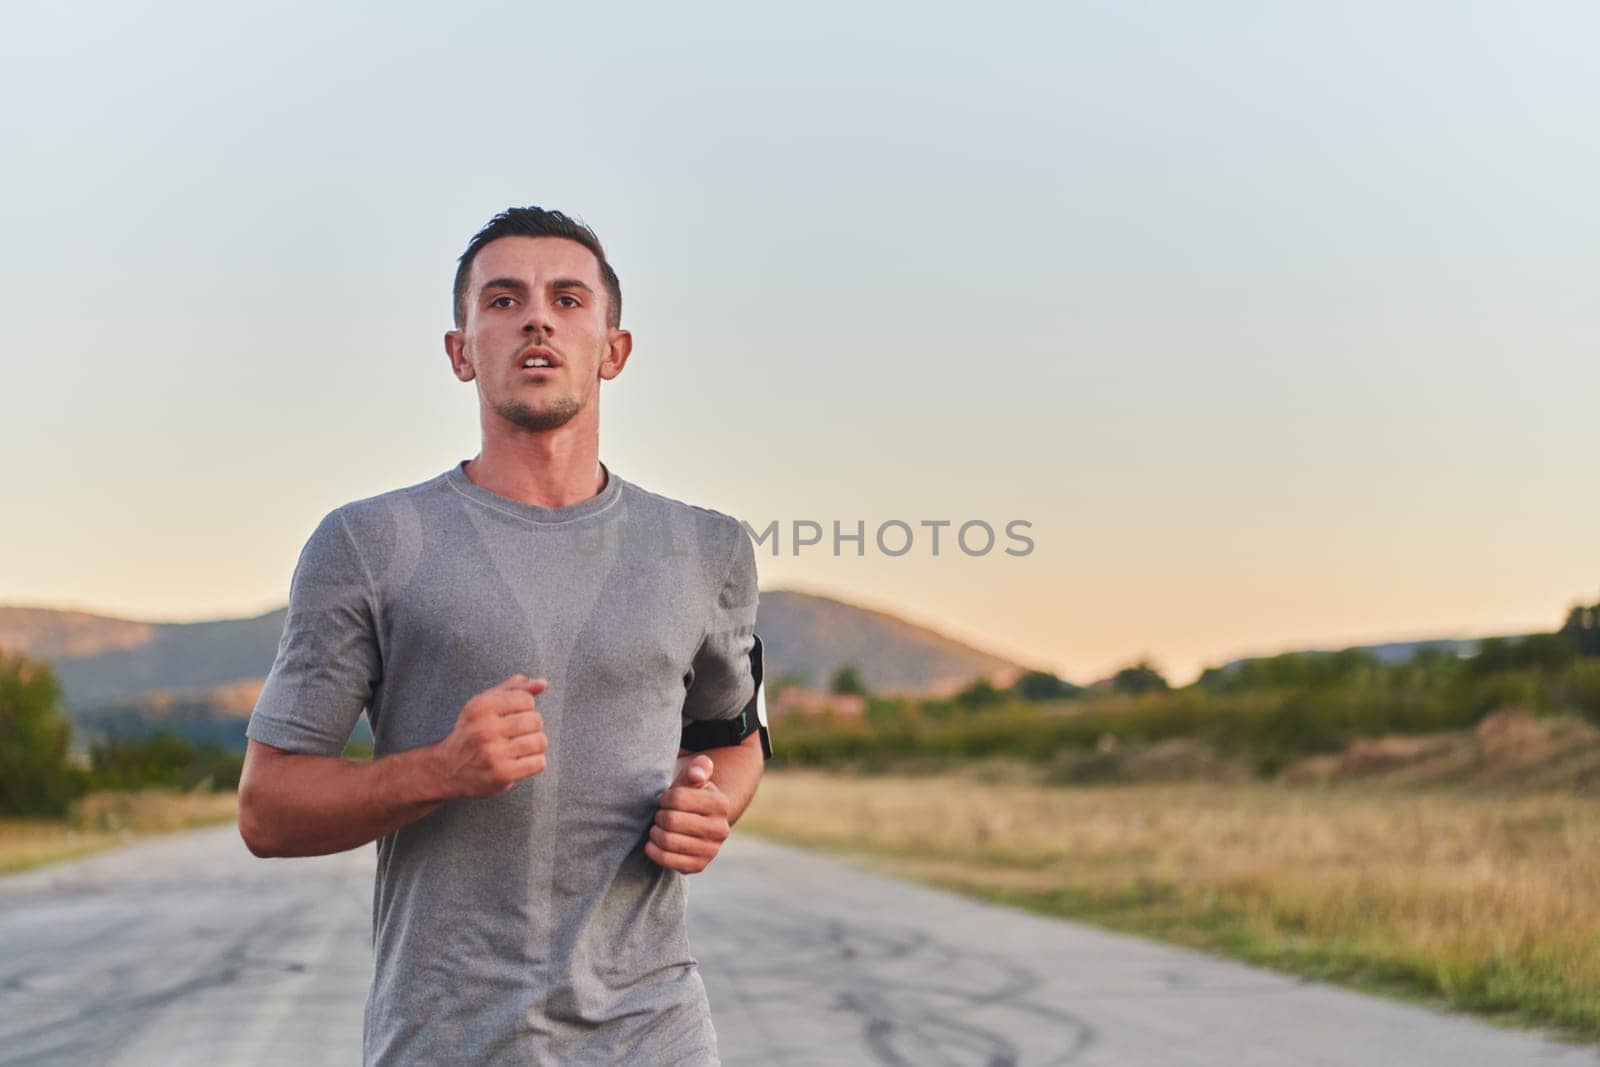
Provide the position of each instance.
(101, 820)
(1487, 903)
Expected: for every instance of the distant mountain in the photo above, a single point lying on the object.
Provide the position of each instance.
(1390, 652)
(100, 659)
(46, 633)
(813, 636)
(217, 714)
(1401, 651)
(201, 679)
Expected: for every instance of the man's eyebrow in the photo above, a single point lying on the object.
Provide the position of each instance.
(503, 283)
(571, 283)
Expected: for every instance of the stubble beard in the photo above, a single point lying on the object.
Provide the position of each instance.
(556, 414)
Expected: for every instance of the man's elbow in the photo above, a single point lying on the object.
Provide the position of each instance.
(255, 823)
(255, 845)
(253, 827)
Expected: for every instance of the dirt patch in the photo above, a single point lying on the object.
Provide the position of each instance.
(1511, 749)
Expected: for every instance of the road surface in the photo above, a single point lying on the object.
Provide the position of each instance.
(188, 950)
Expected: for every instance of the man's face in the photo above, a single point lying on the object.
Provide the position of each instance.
(531, 298)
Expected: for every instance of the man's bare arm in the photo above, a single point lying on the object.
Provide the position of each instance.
(296, 804)
(736, 770)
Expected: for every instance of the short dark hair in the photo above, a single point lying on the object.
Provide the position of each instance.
(537, 222)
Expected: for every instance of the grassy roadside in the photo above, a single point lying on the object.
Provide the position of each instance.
(1466, 900)
(103, 820)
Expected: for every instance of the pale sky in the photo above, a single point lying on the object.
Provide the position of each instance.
(1277, 322)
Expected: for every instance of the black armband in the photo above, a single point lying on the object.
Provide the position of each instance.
(702, 734)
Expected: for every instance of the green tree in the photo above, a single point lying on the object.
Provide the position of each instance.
(1549, 652)
(36, 777)
(1583, 629)
(1289, 670)
(1141, 677)
(980, 694)
(1042, 685)
(847, 680)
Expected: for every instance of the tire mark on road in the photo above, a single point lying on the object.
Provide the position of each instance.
(915, 996)
(100, 1013)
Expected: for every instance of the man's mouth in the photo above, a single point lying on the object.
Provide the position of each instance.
(539, 359)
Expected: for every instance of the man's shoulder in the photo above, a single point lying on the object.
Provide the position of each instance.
(381, 509)
(707, 519)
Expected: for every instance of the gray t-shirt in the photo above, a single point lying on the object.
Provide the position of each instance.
(527, 927)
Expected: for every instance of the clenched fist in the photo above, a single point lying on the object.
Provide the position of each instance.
(497, 741)
(691, 822)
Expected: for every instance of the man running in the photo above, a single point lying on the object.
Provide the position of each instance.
(563, 680)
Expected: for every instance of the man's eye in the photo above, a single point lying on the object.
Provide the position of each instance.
(575, 301)
(500, 302)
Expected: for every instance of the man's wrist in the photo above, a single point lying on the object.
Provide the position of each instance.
(740, 768)
(430, 781)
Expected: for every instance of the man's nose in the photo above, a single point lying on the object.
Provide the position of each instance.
(537, 322)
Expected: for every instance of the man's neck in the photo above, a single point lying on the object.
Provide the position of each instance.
(541, 469)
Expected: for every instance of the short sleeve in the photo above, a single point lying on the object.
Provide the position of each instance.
(722, 678)
(328, 663)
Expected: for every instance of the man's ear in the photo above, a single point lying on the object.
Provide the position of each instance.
(618, 345)
(455, 346)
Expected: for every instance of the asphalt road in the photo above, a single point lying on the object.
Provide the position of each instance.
(188, 950)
